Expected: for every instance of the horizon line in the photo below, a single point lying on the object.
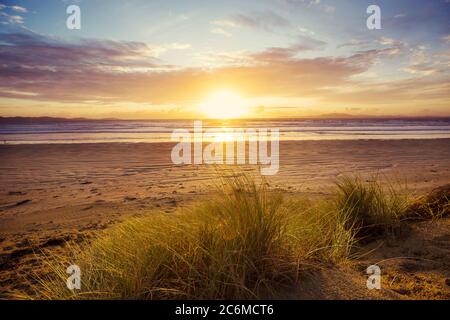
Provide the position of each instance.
(316, 117)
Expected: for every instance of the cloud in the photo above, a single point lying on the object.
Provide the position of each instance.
(176, 46)
(405, 95)
(127, 71)
(305, 30)
(224, 23)
(221, 32)
(32, 55)
(318, 4)
(424, 62)
(218, 59)
(11, 19)
(222, 27)
(390, 42)
(422, 69)
(262, 20)
(304, 43)
(19, 9)
(15, 8)
(356, 43)
(381, 46)
(42, 68)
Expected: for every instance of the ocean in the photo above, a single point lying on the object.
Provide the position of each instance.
(35, 131)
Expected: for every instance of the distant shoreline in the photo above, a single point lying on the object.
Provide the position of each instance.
(14, 143)
(344, 117)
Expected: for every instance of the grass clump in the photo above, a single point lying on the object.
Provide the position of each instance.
(317, 232)
(230, 247)
(358, 211)
(368, 207)
(435, 205)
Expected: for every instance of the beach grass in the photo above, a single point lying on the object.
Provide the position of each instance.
(245, 242)
(370, 207)
(232, 246)
(435, 205)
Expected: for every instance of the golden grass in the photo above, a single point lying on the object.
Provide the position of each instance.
(369, 207)
(245, 242)
(230, 247)
(435, 205)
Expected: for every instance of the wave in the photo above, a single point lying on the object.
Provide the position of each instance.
(160, 131)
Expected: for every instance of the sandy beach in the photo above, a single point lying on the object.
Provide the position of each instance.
(52, 193)
(39, 182)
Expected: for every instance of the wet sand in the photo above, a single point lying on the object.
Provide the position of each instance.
(37, 181)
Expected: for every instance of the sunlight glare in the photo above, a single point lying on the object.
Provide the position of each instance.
(224, 104)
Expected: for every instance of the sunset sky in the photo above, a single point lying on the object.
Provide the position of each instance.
(177, 59)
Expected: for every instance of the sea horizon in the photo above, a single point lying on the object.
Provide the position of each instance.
(63, 131)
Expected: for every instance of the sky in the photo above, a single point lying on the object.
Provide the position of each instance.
(136, 59)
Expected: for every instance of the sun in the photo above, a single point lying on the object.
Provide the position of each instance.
(224, 104)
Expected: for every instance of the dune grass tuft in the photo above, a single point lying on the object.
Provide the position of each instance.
(245, 242)
(435, 205)
(230, 247)
(369, 207)
(317, 232)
